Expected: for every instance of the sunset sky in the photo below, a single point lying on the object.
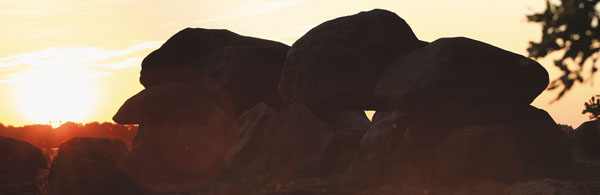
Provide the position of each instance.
(80, 60)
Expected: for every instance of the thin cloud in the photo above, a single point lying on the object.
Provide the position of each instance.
(95, 58)
(72, 56)
(127, 63)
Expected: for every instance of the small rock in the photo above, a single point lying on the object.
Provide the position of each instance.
(89, 166)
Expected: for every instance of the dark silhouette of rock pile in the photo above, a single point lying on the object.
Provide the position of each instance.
(19, 166)
(202, 81)
(461, 115)
(219, 107)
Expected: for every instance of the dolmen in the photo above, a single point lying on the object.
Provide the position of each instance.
(451, 116)
(461, 116)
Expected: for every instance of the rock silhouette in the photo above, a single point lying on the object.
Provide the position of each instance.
(477, 153)
(335, 65)
(412, 152)
(464, 70)
(221, 109)
(377, 146)
(20, 157)
(290, 143)
(89, 166)
(243, 76)
(295, 138)
(479, 94)
(180, 140)
(19, 166)
(245, 142)
(587, 139)
(183, 57)
(547, 156)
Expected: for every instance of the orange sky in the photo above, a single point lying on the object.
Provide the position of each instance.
(80, 60)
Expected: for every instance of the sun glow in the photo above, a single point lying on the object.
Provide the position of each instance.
(56, 93)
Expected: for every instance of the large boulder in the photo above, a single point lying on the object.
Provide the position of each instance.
(587, 139)
(348, 129)
(335, 65)
(461, 70)
(242, 76)
(396, 154)
(20, 165)
(180, 142)
(296, 140)
(183, 57)
(245, 142)
(89, 166)
(155, 102)
(544, 148)
(377, 147)
(20, 157)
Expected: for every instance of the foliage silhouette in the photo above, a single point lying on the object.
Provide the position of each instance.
(593, 107)
(572, 27)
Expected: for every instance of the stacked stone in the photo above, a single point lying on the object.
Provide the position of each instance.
(218, 106)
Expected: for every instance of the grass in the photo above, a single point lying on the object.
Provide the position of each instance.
(41, 181)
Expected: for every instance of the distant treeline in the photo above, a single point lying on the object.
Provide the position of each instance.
(44, 136)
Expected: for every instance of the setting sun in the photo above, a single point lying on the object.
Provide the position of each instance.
(53, 94)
